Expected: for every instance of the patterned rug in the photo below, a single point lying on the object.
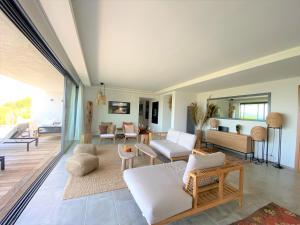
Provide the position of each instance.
(107, 177)
(271, 214)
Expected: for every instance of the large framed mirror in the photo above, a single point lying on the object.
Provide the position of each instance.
(254, 107)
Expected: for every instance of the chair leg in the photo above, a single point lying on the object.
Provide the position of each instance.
(125, 139)
(114, 139)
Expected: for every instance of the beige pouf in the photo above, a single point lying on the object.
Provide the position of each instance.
(81, 164)
(85, 148)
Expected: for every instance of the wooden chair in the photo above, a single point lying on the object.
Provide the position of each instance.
(106, 135)
(209, 196)
(130, 133)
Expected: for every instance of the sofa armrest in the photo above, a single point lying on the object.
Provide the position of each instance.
(192, 187)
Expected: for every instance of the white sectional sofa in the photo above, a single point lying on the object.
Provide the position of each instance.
(178, 145)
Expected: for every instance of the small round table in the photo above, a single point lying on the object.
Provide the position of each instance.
(125, 156)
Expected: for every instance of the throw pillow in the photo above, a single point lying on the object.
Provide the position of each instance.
(129, 128)
(203, 162)
(110, 129)
(103, 129)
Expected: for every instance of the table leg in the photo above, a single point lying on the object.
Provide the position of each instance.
(123, 166)
(36, 142)
(137, 152)
(27, 147)
(152, 160)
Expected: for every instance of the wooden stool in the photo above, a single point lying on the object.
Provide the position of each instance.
(125, 156)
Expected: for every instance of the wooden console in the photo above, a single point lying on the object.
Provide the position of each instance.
(237, 142)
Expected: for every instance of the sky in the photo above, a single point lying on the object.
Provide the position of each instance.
(12, 90)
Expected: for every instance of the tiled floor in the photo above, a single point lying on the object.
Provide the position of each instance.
(262, 185)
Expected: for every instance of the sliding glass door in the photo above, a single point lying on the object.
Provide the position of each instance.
(70, 111)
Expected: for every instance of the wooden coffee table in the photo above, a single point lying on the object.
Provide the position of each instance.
(147, 150)
(125, 156)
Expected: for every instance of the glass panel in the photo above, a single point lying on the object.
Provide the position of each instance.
(70, 113)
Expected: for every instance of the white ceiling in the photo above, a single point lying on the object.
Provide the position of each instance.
(274, 71)
(152, 45)
(20, 60)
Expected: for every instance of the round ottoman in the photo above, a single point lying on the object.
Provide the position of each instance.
(85, 148)
(81, 164)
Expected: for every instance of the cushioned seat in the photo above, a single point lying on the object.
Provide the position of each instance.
(107, 135)
(169, 149)
(158, 190)
(130, 134)
(85, 148)
(177, 144)
(81, 164)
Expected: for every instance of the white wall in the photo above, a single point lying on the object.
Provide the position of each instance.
(181, 100)
(100, 113)
(166, 113)
(284, 99)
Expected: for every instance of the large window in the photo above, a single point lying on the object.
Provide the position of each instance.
(254, 111)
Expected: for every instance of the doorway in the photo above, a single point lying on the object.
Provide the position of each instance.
(144, 114)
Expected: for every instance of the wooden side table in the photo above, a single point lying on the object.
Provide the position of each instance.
(125, 156)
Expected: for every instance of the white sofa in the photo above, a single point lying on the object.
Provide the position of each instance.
(161, 195)
(177, 145)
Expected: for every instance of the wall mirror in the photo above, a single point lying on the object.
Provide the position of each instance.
(253, 107)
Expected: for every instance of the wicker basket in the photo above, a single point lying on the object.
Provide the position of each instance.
(214, 123)
(259, 133)
(274, 120)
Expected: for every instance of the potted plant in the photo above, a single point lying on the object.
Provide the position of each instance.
(238, 128)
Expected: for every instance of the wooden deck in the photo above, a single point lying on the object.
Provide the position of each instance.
(21, 167)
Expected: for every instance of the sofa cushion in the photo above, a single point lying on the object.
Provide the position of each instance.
(130, 134)
(173, 135)
(169, 149)
(129, 128)
(203, 162)
(103, 129)
(187, 140)
(107, 135)
(158, 190)
(81, 164)
(85, 148)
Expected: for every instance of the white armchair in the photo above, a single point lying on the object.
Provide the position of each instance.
(130, 131)
(107, 131)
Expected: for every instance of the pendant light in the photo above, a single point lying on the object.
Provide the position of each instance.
(101, 97)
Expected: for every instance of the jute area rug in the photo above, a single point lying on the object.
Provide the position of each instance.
(107, 177)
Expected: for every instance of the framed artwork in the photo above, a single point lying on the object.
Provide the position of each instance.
(115, 107)
(155, 112)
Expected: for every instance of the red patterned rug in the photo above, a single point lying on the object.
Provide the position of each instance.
(271, 214)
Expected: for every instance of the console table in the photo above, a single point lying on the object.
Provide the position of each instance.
(233, 141)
